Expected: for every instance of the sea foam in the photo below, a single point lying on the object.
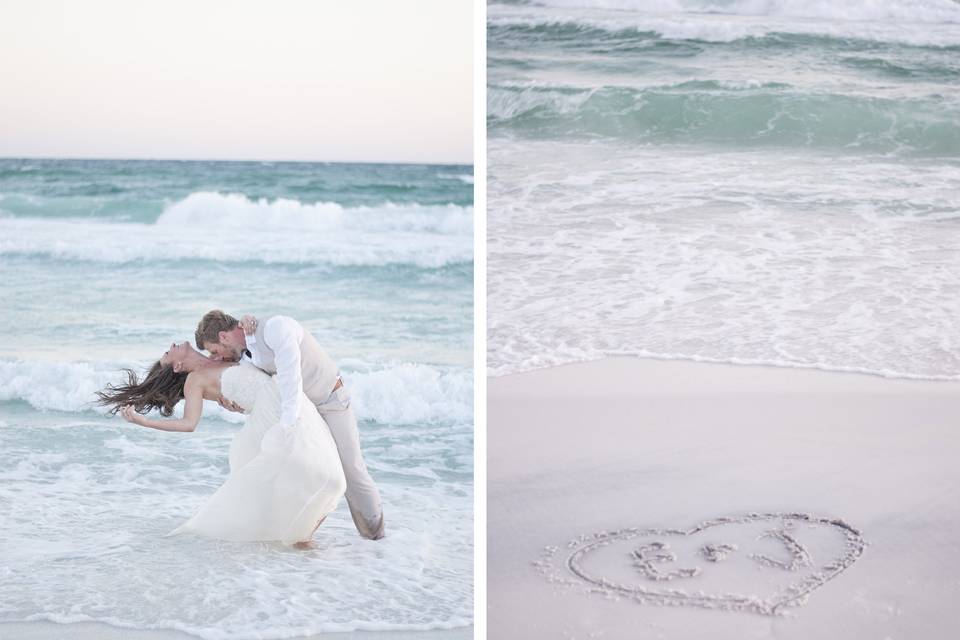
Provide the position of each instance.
(234, 228)
(391, 393)
(927, 24)
(935, 11)
(744, 257)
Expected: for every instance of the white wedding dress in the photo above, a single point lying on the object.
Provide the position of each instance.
(282, 481)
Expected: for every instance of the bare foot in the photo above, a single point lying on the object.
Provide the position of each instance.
(308, 544)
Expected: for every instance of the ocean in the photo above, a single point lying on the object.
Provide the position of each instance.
(743, 181)
(104, 263)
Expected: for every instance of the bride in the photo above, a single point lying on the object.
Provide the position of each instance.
(283, 481)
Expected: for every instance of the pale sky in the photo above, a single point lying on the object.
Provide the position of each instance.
(326, 80)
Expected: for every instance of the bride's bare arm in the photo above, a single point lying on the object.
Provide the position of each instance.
(192, 410)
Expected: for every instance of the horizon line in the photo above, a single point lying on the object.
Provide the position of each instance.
(122, 159)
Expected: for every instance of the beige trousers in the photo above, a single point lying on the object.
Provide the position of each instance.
(362, 495)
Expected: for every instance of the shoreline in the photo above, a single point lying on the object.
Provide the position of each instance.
(886, 375)
(588, 451)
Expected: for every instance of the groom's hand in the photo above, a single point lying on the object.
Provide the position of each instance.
(229, 405)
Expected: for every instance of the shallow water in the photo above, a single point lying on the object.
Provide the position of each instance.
(736, 181)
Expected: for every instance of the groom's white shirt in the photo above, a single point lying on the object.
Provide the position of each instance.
(283, 335)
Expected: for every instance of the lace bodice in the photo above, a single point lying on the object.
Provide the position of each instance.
(242, 383)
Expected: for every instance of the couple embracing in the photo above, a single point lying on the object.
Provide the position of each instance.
(299, 450)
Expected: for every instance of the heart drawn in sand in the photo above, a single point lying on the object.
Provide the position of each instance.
(721, 563)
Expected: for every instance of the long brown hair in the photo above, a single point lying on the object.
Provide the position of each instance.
(161, 388)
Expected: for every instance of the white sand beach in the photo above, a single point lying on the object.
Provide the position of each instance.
(620, 494)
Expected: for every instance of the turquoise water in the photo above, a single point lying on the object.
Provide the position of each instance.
(104, 263)
(736, 181)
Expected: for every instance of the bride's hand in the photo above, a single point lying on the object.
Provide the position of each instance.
(249, 325)
(229, 405)
(130, 415)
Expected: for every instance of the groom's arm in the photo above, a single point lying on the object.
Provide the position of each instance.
(283, 335)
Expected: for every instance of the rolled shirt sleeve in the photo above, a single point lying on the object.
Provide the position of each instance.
(283, 335)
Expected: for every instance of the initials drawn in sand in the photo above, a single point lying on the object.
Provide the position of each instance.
(758, 562)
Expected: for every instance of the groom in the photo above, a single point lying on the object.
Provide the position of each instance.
(279, 345)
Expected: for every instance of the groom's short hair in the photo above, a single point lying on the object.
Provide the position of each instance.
(211, 324)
